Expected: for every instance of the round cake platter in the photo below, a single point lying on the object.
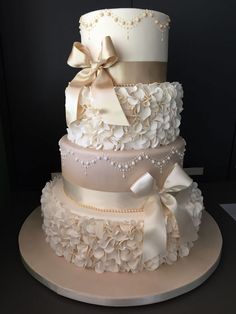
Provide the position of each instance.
(119, 289)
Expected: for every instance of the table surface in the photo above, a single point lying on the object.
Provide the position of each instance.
(21, 293)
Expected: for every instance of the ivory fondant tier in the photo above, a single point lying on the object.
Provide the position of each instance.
(116, 171)
(128, 29)
(153, 111)
(115, 50)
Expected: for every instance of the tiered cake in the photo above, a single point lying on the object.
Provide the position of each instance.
(123, 202)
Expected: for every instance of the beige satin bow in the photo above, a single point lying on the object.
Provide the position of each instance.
(94, 73)
(155, 233)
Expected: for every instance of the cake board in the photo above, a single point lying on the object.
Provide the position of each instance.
(119, 289)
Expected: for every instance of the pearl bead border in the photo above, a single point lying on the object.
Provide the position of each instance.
(126, 24)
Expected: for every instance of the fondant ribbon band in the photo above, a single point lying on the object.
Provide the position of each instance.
(94, 73)
(144, 196)
(114, 202)
(134, 72)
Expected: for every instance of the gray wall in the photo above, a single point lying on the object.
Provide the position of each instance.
(36, 38)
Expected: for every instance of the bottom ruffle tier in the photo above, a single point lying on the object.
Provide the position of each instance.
(108, 242)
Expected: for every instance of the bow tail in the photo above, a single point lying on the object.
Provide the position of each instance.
(186, 227)
(155, 236)
(73, 108)
(184, 221)
(106, 101)
(94, 74)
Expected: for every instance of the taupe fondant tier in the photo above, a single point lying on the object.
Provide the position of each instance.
(112, 171)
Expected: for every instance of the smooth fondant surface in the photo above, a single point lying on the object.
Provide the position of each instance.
(134, 45)
(99, 170)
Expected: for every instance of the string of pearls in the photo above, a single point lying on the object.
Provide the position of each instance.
(123, 167)
(107, 210)
(124, 23)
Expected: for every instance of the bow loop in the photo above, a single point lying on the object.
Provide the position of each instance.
(108, 53)
(79, 57)
(155, 233)
(144, 185)
(177, 180)
(94, 73)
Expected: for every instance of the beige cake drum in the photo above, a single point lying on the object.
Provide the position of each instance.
(117, 170)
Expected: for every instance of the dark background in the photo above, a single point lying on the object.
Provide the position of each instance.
(36, 39)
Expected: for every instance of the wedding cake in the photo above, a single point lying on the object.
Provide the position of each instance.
(123, 202)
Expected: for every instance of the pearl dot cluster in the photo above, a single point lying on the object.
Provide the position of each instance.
(123, 167)
(126, 24)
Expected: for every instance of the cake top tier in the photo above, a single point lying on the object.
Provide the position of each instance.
(137, 34)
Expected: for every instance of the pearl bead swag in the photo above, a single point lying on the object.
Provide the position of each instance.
(128, 25)
(122, 167)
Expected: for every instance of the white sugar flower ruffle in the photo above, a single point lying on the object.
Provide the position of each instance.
(105, 245)
(153, 111)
